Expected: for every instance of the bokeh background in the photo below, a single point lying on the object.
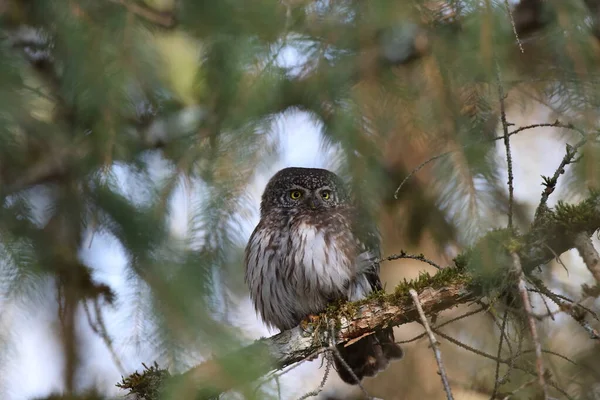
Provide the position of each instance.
(136, 138)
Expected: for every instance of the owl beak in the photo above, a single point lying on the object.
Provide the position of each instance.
(313, 203)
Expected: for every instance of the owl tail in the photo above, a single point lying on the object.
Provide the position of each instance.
(368, 356)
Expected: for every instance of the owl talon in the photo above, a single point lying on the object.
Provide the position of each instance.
(308, 323)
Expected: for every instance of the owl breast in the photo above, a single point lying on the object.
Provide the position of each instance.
(297, 269)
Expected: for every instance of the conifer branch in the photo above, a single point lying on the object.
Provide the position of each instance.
(449, 287)
(589, 254)
(551, 182)
(218, 375)
(574, 309)
(509, 164)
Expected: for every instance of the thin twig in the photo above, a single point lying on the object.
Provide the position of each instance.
(510, 362)
(414, 171)
(588, 328)
(314, 393)
(555, 124)
(513, 359)
(550, 313)
(588, 252)
(337, 354)
(532, 327)
(523, 386)
(503, 332)
(511, 188)
(555, 297)
(99, 329)
(499, 354)
(465, 315)
(514, 26)
(557, 258)
(434, 344)
(575, 310)
(419, 257)
(278, 387)
(554, 353)
(276, 374)
(550, 183)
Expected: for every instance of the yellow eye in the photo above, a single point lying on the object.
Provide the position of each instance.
(295, 194)
(325, 194)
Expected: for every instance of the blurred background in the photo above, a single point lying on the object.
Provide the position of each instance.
(136, 138)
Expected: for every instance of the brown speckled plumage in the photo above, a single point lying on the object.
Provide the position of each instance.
(309, 251)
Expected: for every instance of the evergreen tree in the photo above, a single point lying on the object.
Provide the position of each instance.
(115, 114)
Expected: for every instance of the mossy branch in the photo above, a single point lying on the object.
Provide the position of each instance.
(467, 280)
(353, 320)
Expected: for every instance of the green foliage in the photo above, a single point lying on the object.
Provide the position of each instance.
(489, 261)
(146, 385)
(111, 112)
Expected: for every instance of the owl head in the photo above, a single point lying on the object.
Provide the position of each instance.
(312, 189)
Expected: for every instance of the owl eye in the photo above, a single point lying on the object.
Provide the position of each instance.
(326, 194)
(295, 194)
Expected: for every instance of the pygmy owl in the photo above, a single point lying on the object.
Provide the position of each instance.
(311, 247)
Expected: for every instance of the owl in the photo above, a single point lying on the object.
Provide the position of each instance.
(312, 247)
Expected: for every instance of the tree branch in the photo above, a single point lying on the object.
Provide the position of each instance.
(555, 232)
(522, 286)
(354, 321)
(588, 253)
(435, 345)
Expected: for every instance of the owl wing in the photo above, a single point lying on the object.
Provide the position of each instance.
(367, 264)
(369, 242)
(374, 352)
